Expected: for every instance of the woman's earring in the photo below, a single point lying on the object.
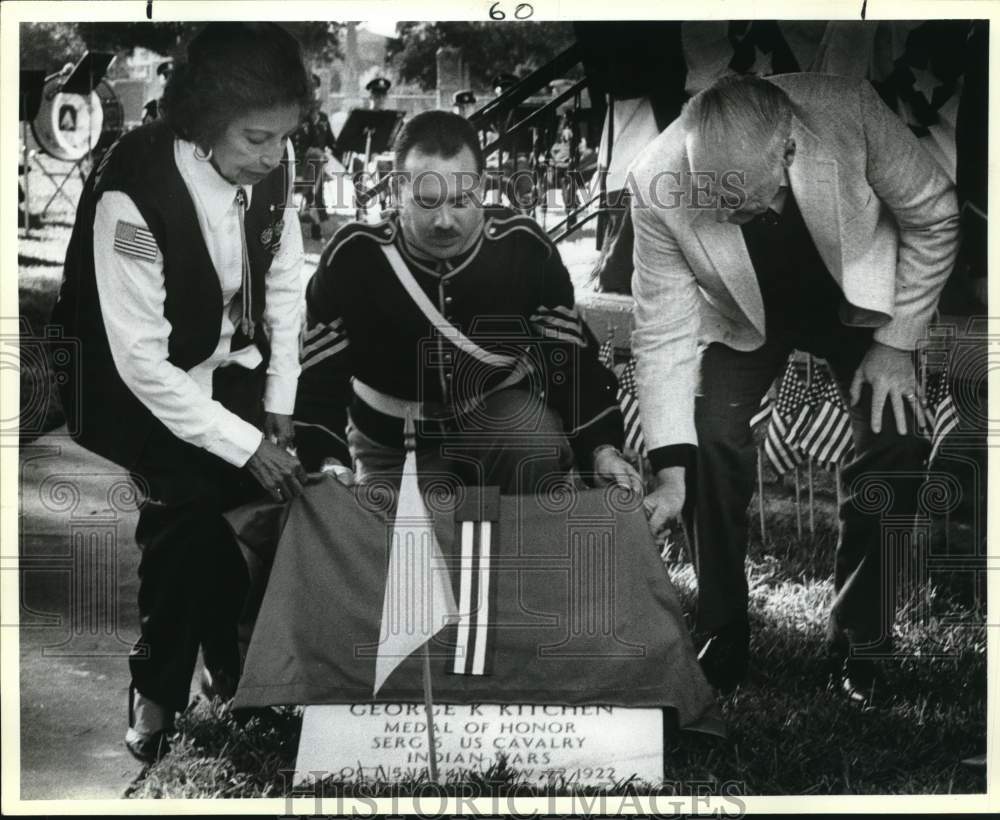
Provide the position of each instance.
(202, 155)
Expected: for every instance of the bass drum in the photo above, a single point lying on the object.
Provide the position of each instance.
(68, 126)
(114, 117)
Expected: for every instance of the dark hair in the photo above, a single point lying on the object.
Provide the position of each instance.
(440, 133)
(232, 68)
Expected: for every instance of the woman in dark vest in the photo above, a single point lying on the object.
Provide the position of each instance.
(182, 283)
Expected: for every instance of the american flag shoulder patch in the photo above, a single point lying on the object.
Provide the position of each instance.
(135, 240)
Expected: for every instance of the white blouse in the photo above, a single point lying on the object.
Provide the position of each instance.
(132, 294)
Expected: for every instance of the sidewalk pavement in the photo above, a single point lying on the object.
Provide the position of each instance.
(78, 564)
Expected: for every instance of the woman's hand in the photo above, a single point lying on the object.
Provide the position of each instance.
(611, 467)
(279, 429)
(277, 471)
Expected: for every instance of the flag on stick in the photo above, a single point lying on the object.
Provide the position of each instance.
(944, 414)
(788, 415)
(584, 620)
(629, 401)
(827, 439)
(418, 599)
(764, 411)
(606, 353)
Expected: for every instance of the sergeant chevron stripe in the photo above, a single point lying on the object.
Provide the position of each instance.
(322, 341)
(559, 322)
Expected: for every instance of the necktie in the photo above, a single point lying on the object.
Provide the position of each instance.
(246, 288)
(770, 218)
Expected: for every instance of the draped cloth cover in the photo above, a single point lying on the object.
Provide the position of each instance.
(562, 598)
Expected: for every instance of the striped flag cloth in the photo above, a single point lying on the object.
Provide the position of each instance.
(629, 401)
(788, 416)
(827, 439)
(606, 354)
(944, 414)
(418, 600)
(571, 603)
(764, 411)
(476, 633)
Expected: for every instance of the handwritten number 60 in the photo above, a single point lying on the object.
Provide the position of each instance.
(521, 12)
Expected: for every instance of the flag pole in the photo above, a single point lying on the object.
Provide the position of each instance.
(409, 433)
(760, 490)
(812, 509)
(798, 502)
(429, 709)
(809, 464)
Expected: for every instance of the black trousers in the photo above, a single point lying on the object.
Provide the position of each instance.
(193, 580)
(732, 385)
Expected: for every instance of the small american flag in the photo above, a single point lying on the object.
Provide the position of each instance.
(629, 401)
(606, 354)
(788, 415)
(135, 240)
(764, 411)
(827, 439)
(944, 414)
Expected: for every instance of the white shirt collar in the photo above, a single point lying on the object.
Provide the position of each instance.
(216, 196)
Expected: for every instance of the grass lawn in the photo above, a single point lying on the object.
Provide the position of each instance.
(789, 733)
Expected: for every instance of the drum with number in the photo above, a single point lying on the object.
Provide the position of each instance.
(68, 126)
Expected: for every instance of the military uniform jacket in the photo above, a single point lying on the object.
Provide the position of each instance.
(509, 293)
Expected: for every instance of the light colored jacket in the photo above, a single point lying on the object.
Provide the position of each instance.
(882, 213)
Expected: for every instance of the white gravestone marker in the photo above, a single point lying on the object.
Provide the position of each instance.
(584, 745)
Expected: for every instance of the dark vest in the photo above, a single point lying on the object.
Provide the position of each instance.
(102, 414)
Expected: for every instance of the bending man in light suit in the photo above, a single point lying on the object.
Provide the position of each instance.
(796, 212)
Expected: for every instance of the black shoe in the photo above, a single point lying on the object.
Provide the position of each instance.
(725, 657)
(856, 676)
(861, 682)
(218, 685)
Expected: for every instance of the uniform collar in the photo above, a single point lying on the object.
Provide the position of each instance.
(437, 267)
(215, 194)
